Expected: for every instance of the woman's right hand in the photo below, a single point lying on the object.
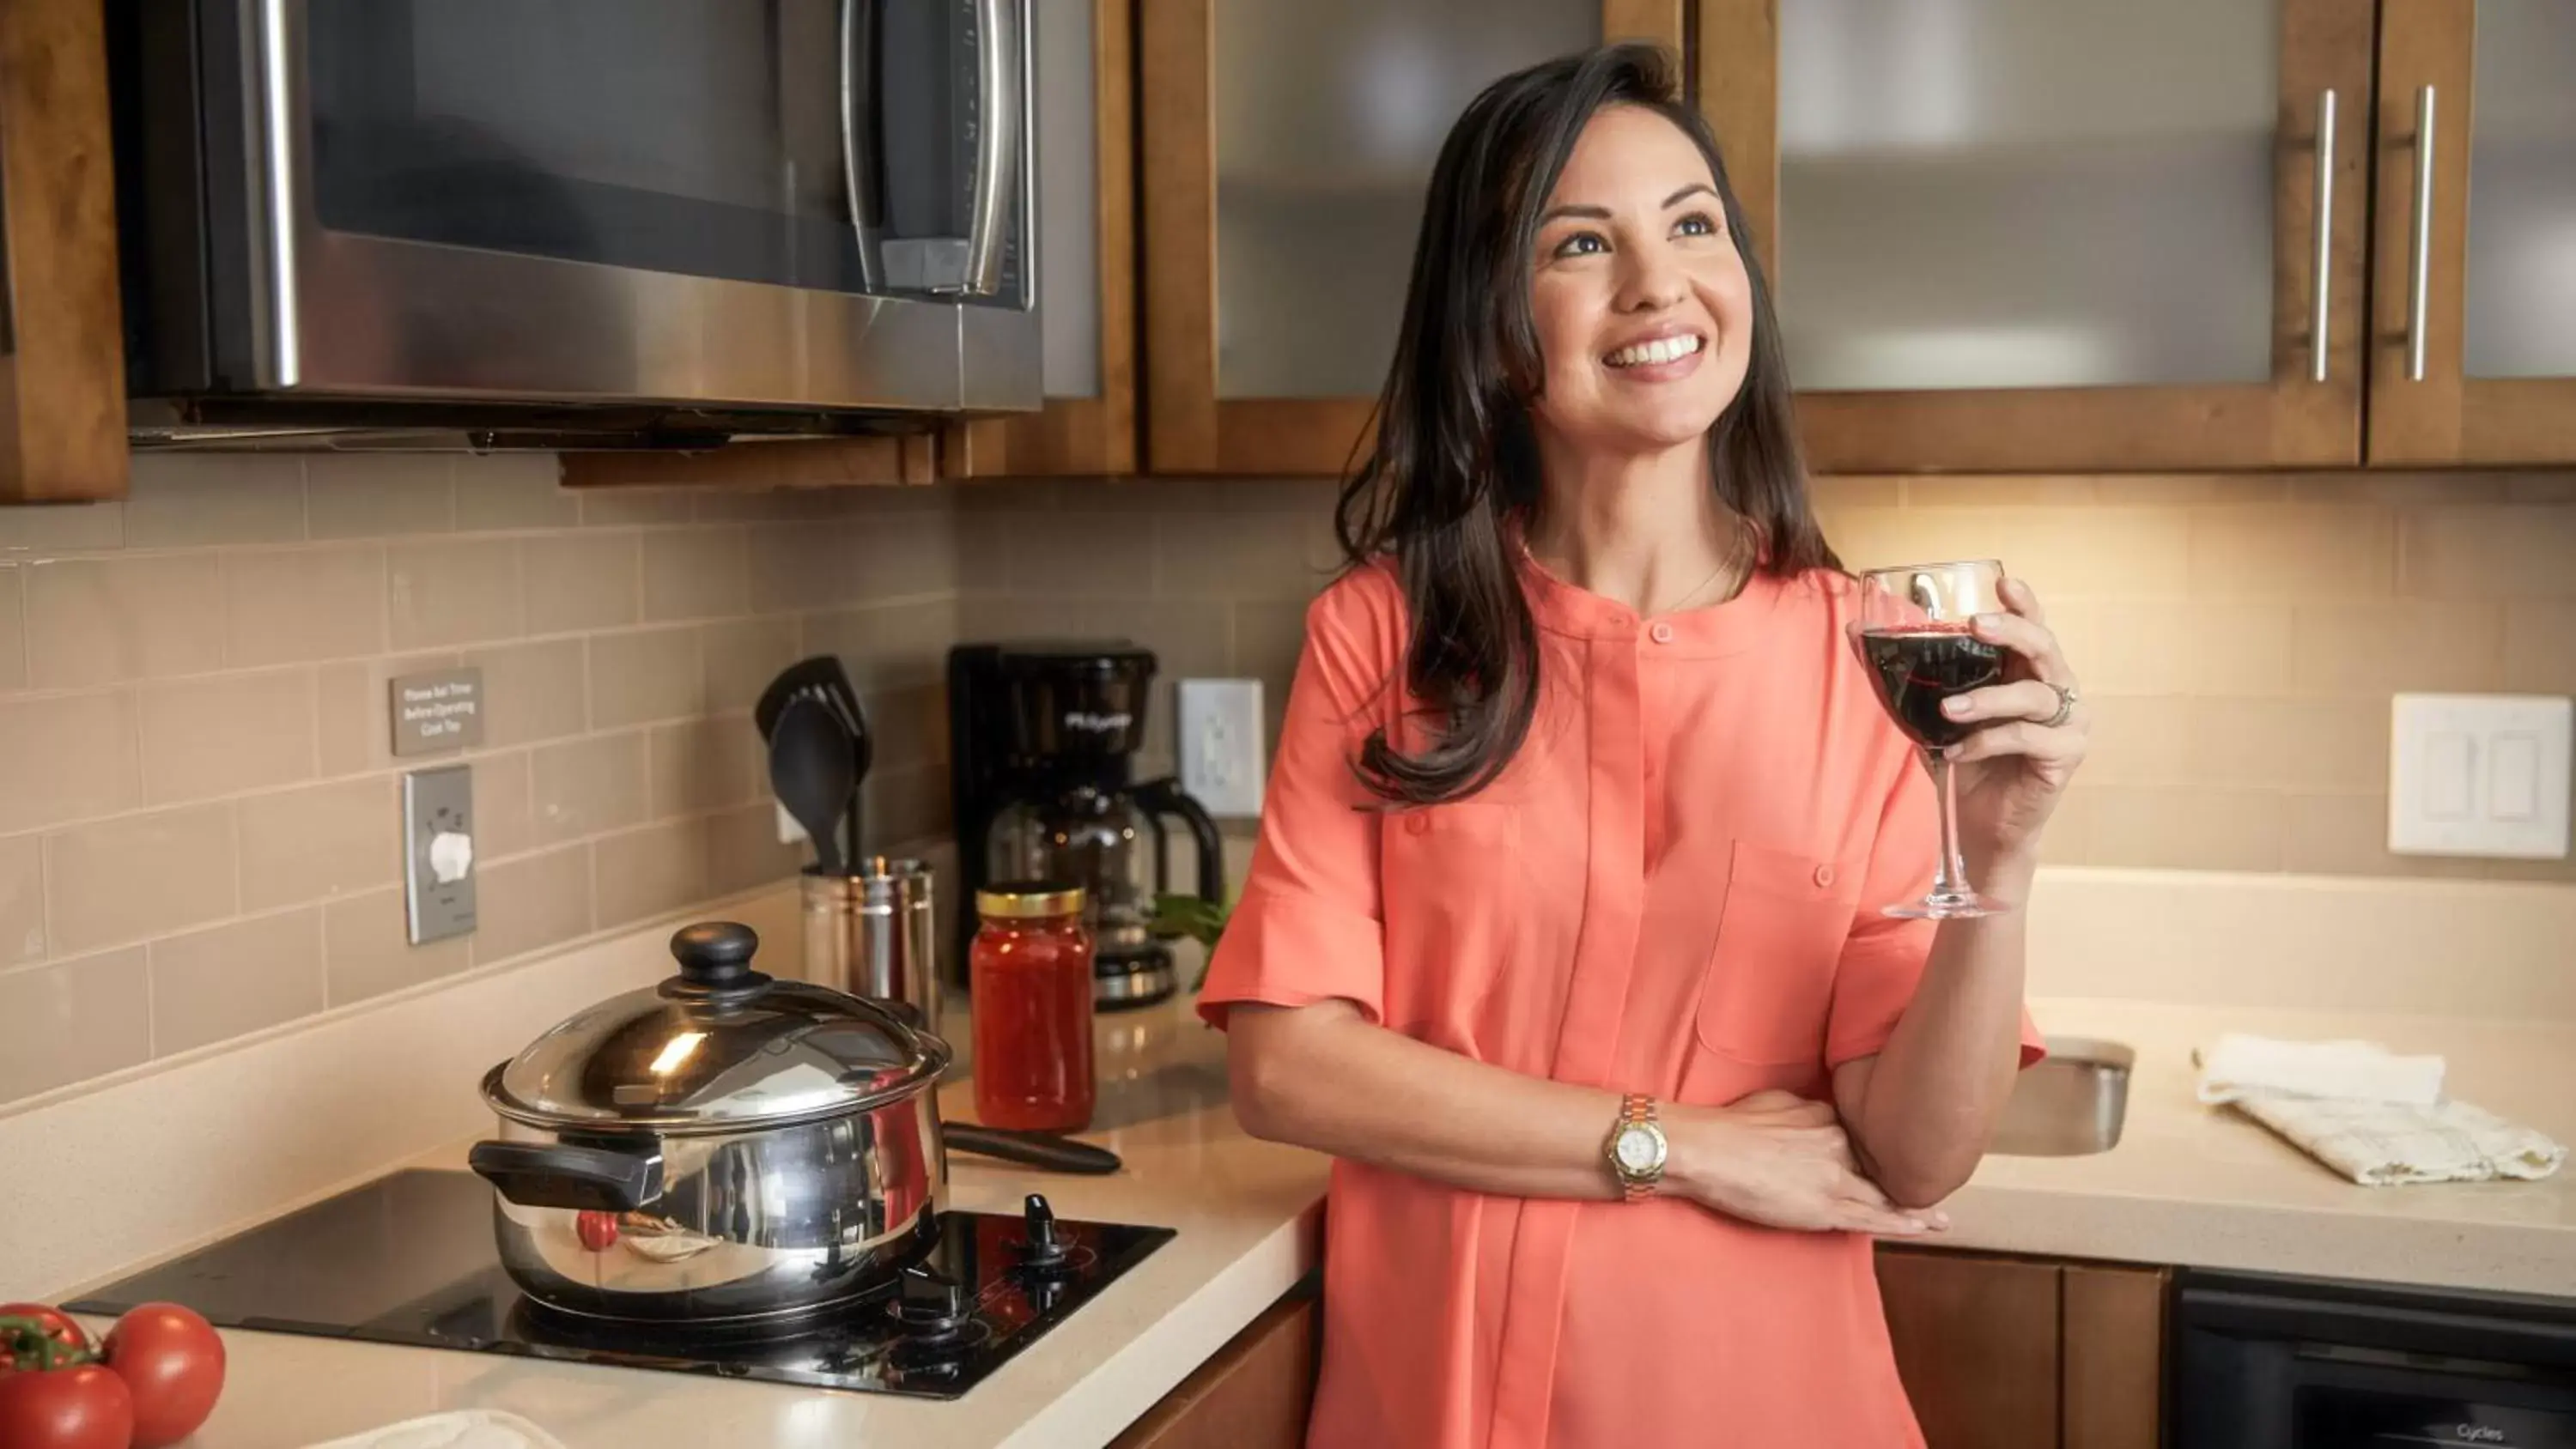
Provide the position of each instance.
(1782, 1161)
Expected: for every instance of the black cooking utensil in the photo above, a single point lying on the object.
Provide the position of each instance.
(809, 770)
(822, 680)
(1031, 1149)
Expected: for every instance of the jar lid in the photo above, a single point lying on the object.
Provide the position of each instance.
(718, 1048)
(1028, 900)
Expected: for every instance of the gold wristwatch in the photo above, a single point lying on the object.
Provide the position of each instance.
(1636, 1147)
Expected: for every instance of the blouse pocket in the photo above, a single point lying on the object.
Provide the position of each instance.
(1448, 874)
(1770, 981)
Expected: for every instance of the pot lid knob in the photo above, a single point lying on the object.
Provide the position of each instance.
(715, 962)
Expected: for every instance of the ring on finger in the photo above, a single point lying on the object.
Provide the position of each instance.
(2067, 699)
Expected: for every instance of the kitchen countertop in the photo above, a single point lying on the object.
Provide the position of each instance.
(2186, 1184)
(1249, 1219)
(2205, 1186)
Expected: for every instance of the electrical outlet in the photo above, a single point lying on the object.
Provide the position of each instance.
(2479, 774)
(438, 852)
(1220, 739)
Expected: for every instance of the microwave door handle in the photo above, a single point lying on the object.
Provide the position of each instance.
(853, 165)
(998, 101)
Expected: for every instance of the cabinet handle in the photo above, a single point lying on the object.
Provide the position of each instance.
(2420, 255)
(2321, 286)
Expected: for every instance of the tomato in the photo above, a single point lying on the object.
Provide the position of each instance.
(82, 1407)
(174, 1363)
(597, 1230)
(58, 1326)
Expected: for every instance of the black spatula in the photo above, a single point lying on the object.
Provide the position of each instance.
(810, 770)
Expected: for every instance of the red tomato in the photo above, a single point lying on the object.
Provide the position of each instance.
(83, 1407)
(597, 1230)
(58, 1326)
(174, 1363)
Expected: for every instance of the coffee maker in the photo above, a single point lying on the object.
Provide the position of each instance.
(1043, 740)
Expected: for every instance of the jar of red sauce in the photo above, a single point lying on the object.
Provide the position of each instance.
(1030, 975)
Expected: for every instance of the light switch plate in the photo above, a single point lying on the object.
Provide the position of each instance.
(438, 853)
(1220, 739)
(2479, 774)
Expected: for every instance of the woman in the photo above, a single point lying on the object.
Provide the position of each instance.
(1582, 816)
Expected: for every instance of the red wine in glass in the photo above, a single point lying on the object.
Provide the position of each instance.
(1915, 636)
(1917, 668)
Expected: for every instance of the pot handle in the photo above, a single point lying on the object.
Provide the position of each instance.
(1030, 1149)
(559, 1175)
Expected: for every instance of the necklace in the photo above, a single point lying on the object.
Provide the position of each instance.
(1726, 565)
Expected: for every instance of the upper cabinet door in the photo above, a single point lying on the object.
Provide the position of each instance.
(2473, 358)
(2057, 234)
(1083, 54)
(62, 361)
(1285, 152)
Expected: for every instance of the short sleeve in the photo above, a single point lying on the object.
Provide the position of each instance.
(1883, 957)
(1308, 926)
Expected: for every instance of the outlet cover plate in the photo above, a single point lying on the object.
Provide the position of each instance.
(1221, 750)
(2479, 775)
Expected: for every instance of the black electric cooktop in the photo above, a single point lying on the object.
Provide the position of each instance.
(409, 1259)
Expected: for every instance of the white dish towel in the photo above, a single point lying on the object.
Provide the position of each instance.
(2376, 1117)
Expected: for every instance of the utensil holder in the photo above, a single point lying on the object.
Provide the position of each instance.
(871, 934)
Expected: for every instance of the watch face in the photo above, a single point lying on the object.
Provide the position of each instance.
(1636, 1149)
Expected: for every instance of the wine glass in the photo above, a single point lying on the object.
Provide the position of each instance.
(1914, 635)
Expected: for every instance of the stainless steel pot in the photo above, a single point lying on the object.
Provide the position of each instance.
(721, 1146)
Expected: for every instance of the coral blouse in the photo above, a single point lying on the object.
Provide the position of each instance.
(1672, 890)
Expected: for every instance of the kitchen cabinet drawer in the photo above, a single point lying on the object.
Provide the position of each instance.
(1285, 149)
(1255, 1394)
(2026, 1353)
(2029, 235)
(62, 364)
(2473, 356)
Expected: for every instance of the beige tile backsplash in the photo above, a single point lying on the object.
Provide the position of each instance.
(2240, 635)
(199, 809)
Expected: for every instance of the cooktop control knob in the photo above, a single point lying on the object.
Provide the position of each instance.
(930, 1305)
(1045, 1248)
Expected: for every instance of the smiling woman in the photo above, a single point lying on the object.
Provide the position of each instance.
(1565, 932)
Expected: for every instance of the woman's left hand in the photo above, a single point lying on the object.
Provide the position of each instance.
(2032, 731)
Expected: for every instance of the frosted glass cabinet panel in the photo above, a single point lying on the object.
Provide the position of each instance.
(2521, 319)
(2056, 235)
(1284, 149)
(2027, 193)
(1329, 114)
(2473, 293)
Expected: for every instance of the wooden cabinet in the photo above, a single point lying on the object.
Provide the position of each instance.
(2025, 1353)
(1284, 153)
(2037, 236)
(1255, 1394)
(2473, 356)
(62, 363)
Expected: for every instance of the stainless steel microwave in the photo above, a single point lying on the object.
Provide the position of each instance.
(556, 221)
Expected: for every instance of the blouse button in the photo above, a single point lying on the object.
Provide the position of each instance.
(1824, 875)
(1661, 633)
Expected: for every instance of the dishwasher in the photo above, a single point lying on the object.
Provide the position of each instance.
(2272, 1362)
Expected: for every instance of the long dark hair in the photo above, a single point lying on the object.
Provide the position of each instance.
(1455, 459)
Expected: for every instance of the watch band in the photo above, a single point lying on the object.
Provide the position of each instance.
(1635, 1110)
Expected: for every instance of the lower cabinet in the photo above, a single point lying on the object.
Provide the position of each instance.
(2026, 1353)
(1255, 1394)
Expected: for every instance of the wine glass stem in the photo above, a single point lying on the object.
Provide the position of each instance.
(1950, 876)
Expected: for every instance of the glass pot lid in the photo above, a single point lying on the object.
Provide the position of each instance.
(717, 1048)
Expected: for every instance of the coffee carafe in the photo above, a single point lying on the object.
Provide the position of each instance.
(1044, 738)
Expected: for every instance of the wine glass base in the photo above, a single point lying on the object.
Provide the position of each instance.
(1948, 906)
